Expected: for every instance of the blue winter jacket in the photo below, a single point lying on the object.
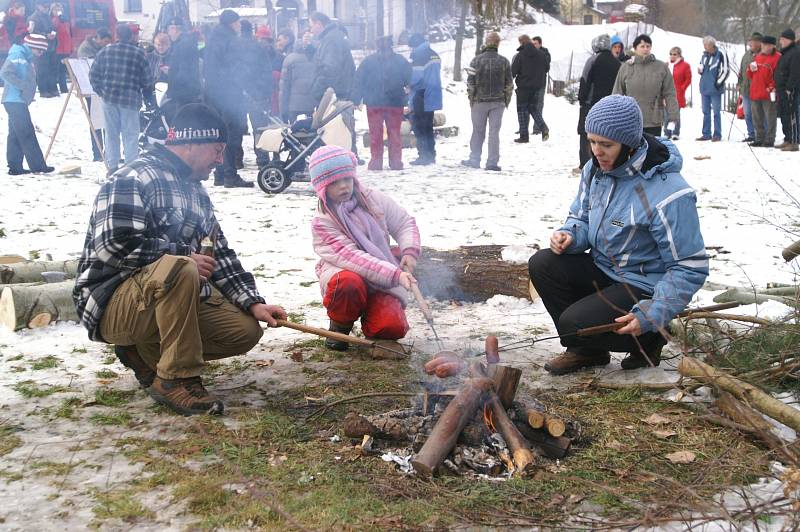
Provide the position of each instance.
(715, 71)
(18, 74)
(640, 222)
(426, 66)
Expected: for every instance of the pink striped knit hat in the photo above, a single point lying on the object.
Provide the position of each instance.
(329, 164)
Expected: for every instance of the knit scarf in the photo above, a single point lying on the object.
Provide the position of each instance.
(366, 231)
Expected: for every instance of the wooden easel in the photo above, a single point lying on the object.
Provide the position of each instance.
(78, 72)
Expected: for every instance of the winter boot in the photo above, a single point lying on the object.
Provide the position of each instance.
(575, 359)
(790, 147)
(650, 358)
(235, 181)
(343, 328)
(129, 356)
(185, 396)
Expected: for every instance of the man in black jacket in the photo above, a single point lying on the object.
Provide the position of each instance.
(40, 23)
(381, 80)
(539, 96)
(489, 87)
(183, 78)
(333, 65)
(529, 69)
(223, 70)
(597, 82)
(787, 85)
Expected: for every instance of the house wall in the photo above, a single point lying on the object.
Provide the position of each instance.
(576, 12)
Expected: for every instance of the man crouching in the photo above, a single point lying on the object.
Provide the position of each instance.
(142, 283)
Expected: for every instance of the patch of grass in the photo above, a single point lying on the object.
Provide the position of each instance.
(52, 469)
(30, 389)
(306, 284)
(297, 317)
(114, 418)
(67, 407)
(47, 362)
(120, 504)
(2, 232)
(106, 374)
(8, 439)
(79, 350)
(109, 359)
(34, 254)
(113, 398)
(16, 357)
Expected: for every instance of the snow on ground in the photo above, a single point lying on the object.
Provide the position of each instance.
(745, 215)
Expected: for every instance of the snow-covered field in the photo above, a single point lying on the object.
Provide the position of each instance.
(746, 215)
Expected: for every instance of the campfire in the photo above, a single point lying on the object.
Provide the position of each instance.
(477, 428)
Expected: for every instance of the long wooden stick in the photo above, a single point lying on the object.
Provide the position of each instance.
(610, 327)
(752, 396)
(325, 333)
(58, 125)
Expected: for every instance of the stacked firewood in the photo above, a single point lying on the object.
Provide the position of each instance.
(35, 294)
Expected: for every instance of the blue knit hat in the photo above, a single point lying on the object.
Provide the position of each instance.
(328, 164)
(618, 118)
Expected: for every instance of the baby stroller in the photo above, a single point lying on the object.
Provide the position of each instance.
(292, 145)
(153, 125)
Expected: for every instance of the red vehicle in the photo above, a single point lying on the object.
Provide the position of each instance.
(85, 17)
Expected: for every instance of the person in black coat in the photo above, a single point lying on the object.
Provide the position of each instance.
(539, 96)
(183, 76)
(41, 23)
(597, 82)
(529, 68)
(381, 81)
(787, 86)
(224, 74)
(333, 65)
(257, 58)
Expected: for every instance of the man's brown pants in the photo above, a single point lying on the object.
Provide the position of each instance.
(159, 311)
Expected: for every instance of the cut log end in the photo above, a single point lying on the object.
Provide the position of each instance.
(422, 468)
(535, 418)
(555, 427)
(42, 319)
(523, 459)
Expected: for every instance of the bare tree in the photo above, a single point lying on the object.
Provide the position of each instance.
(462, 23)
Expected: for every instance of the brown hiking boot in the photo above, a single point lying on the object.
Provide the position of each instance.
(790, 147)
(640, 360)
(129, 356)
(344, 328)
(572, 361)
(185, 396)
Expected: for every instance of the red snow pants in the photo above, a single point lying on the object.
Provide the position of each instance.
(347, 298)
(393, 116)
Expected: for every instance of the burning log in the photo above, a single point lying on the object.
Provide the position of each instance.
(517, 444)
(445, 433)
(506, 380)
(492, 349)
(470, 273)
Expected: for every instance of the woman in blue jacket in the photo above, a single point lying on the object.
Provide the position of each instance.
(637, 217)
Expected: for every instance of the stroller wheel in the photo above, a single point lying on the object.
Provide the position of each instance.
(273, 179)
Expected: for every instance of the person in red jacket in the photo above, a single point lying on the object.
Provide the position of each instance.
(63, 44)
(682, 77)
(761, 73)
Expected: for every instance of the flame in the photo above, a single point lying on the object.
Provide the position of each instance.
(487, 417)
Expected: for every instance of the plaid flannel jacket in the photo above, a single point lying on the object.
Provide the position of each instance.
(120, 75)
(147, 210)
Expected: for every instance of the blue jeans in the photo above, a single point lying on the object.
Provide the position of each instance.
(712, 102)
(748, 116)
(677, 131)
(124, 122)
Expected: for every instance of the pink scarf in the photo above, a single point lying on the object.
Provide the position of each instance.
(365, 229)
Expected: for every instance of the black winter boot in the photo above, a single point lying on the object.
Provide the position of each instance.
(343, 328)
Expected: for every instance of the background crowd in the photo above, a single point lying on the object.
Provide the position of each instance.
(253, 77)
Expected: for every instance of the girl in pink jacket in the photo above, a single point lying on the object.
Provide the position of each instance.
(360, 275)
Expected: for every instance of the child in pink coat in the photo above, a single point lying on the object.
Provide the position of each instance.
(360, 274)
